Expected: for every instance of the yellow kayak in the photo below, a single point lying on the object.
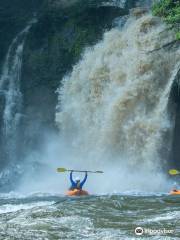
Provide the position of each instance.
(175, 192)
(77, 192)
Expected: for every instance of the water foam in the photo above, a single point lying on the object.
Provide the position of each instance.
(113, 107)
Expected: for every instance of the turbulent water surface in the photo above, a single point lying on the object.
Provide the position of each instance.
(93, 217)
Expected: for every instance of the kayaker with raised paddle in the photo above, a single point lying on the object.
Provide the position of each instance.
(174, 172)
(77, 184)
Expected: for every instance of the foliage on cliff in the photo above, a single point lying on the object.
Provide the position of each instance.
(169, 10)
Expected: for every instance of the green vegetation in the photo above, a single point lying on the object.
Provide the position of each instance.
(169, 10)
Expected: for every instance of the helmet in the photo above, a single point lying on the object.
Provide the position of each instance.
(77, 179)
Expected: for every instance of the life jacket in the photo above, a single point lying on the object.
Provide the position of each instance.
(78, 185)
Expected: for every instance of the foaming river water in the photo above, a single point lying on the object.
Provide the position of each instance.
(94, 217)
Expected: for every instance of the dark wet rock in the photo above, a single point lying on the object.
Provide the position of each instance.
(53, 46)
(175, 98)
(14, 14)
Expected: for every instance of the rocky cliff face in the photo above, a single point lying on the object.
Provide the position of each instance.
(175, 98)
(54, 44)
(13, 16)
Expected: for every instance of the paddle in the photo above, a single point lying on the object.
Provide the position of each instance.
(62, 170)
(174, 172)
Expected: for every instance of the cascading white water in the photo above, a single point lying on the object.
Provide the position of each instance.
(11, 97)
(144, 3)
(10, 90)
(122, 3)
(116, 3)
(113, 106)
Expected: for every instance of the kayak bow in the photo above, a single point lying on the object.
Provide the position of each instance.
(77, 192)
(175, 192)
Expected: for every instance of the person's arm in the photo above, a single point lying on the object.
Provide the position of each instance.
(71, 178)
(84, 180)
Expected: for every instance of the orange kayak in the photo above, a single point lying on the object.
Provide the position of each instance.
(175, 192)
(77, 192)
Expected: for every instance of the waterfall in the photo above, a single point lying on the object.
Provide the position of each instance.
(115, 3)
(144, 3)
(123, 3)
(11, 98)
(113, 106)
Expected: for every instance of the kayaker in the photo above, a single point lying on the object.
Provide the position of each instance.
(77, 184)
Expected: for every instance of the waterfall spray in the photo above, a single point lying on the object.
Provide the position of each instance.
(113, 106)
(11, 97)
(116, 3)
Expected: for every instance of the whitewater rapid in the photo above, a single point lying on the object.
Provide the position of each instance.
(110, 217)
(113, 107)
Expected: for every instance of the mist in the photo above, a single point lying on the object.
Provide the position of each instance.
(112, 117)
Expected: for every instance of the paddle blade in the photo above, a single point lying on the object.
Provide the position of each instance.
(61, 170)
(173, 172)
(99, 172)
